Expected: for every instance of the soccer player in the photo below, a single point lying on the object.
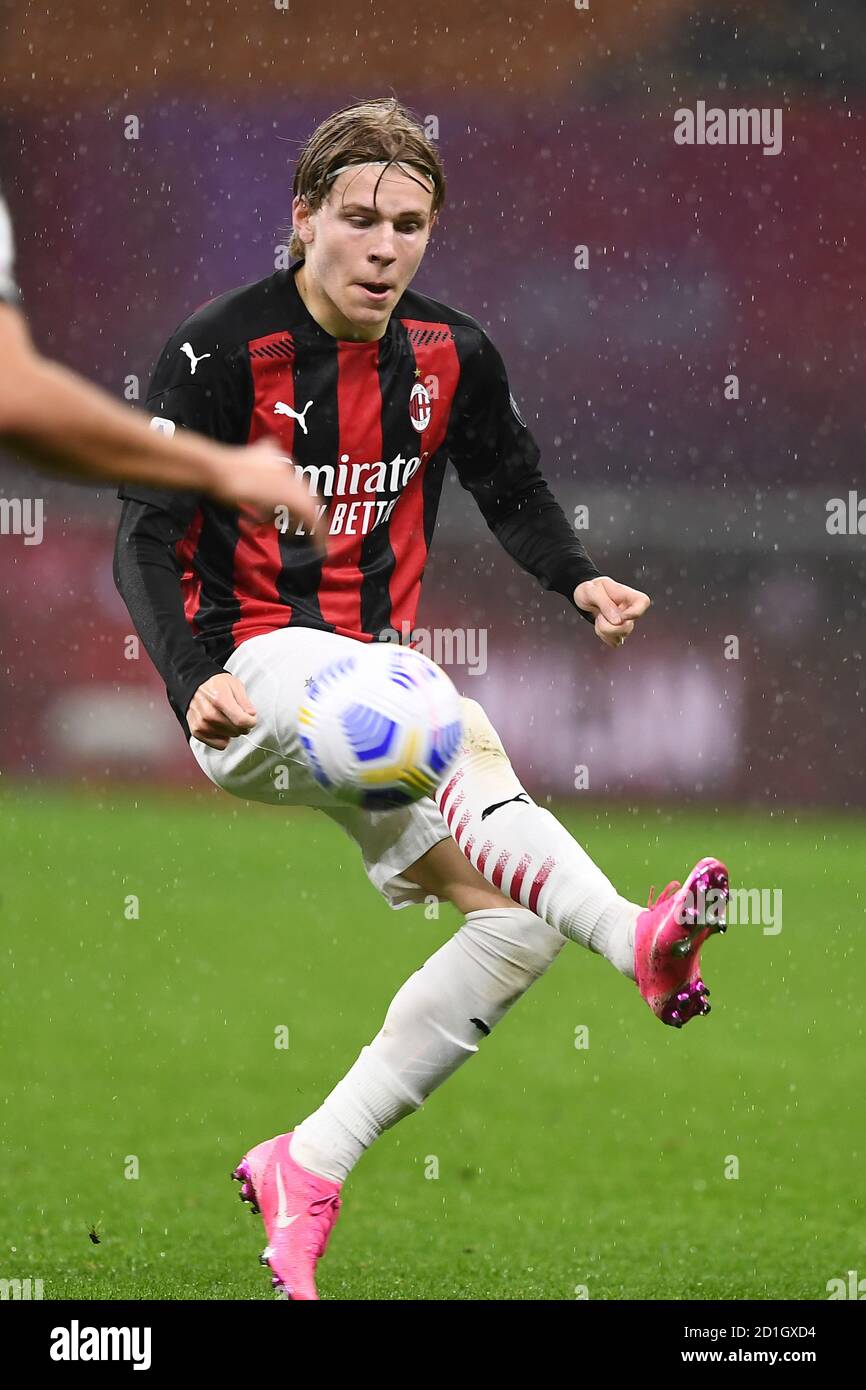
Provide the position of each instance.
(374, 387)
(54, 417)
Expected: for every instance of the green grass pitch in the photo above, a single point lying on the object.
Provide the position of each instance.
(558, 1167)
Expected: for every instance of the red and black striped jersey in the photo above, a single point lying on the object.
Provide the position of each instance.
(372, 425)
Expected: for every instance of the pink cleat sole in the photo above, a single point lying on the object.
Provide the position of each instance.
(668, 940)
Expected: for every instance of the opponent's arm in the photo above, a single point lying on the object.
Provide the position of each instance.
(54, 416)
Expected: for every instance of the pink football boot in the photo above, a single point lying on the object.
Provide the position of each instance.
(298, 1208)
(668, 940)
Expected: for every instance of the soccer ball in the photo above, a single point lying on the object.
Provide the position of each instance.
(381, 726)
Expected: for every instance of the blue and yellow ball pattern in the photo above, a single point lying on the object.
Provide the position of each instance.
(381, 727)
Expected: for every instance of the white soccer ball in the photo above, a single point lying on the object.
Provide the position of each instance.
(381, 726)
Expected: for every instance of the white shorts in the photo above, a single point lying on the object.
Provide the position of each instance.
(268, 763)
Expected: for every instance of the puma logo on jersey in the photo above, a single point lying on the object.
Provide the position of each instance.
(282, 409)
(186, 349)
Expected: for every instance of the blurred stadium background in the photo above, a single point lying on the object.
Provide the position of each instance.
(556, 128)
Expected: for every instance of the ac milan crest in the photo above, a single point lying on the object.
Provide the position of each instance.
(420, 407)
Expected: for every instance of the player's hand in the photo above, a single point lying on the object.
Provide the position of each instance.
(219, 710)
(615, 606)
(259, 480)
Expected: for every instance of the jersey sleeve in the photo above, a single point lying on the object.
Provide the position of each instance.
(8, 288)
(195, 387)
(497, 461)
(147, 575)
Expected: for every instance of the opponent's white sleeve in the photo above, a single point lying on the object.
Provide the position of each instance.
(8, 287)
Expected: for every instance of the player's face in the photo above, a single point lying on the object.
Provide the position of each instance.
(361, 257)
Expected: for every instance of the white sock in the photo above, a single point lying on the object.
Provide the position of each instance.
(613, 935)
(525, 852)
(435, 1023)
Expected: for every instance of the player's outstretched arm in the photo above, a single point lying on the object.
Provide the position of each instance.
(58, 418)
(497, 460)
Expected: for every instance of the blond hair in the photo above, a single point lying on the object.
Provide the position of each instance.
(377, 131)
